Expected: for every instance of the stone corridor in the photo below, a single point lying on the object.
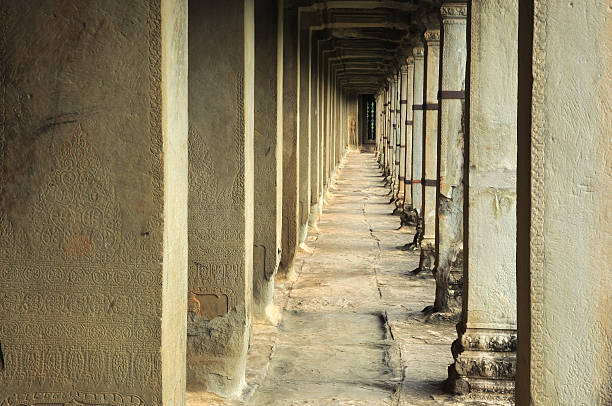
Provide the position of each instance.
(352, 329)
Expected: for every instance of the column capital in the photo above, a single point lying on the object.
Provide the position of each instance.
(454, 11)
(418, 52)
(409, 61)
(404, 68)
(432, 36)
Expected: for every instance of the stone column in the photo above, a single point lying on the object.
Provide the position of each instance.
(315, 134)
(485, 350)
(303, 118)
(564, 204)
(395, 139)
(291, 150)
(417, 131)
(268, 154)
(93, 202)
(221, 195)
(407, 123)
(449, 269)
(402, 132)
(430, 149)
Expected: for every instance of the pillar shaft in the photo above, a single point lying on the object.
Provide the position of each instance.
(93, 202)
(448, 270)
(564, 190)
(485, 351)
(315, 134)
(407, 118)
(417, 130)
(430, 148)
(303, 118)
(291, 150)
(402, 132)
(268, 152)
(221, 195)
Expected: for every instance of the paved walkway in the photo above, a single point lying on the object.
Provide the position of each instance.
(352, 331)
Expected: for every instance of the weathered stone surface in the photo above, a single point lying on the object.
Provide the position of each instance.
(564, 191)
(450, 197)
(268, 155)
(221, 195)
(93, 202)
(490, 265)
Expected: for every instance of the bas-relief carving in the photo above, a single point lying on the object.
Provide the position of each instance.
(454, 10)
(216, 240)
(71, 398)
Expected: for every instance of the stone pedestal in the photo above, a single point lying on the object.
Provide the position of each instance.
(564, 204)
(93, 202)
(450, 196)
(291, 152)
(221, 195)
(268, 153)
(485, 351)
(430, 149)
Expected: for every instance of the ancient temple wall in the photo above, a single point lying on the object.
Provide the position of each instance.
(93, 202)
(268, 154)
(221, 194)
(565, 329)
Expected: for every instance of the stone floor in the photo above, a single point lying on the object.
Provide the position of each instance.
(352, 331)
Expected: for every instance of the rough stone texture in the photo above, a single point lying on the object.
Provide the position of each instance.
(450, 197)
(221, 195)
(291, 151)
(268, 149)
(430, 149)
(485, 357)
(93, 193)
(567, 292)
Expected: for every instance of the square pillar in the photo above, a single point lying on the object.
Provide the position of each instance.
(407, 123)
(291, 148)
(417, 130)
(93, 202)
(449, 268)
(564, 205)
(429, 181)
(268, 153)
(221, 194)
(485, 352)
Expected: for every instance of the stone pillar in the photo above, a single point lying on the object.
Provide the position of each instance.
(417, 131)
(449, 268)
(303, 118)
(402, 132)
(485, 350)
(93, 202)
(291, 151)
(564, 205)
(268, 154)
(315, 133)
(407, 123)
(221, 195)
(430, 149)
(395, 139)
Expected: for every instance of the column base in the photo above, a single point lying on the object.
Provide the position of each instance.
(427, 259)
(485, 361)
(408, 217)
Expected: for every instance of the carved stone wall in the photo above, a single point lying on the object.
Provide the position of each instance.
(93, 189)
